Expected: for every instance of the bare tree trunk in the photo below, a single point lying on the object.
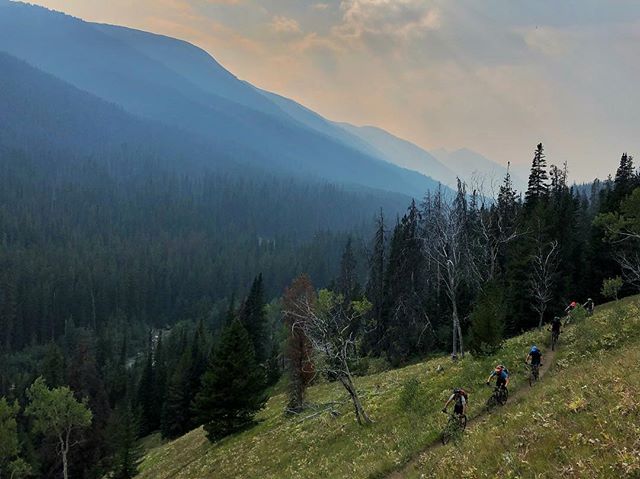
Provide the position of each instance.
(454, 349)
(64, 450)
(361, 414)
(65, 467)
(460, 338)
(540, 319)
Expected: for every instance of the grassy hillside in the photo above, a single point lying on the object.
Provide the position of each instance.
(584, 422)
(407, 417)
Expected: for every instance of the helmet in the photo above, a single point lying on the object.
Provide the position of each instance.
(456, 391)
(589, 299)
(534, 348)
(499, 367)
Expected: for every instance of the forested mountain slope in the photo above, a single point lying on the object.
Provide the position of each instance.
(175, 83)
(103, 214)
(572, 423)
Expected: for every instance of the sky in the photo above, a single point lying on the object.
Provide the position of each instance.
(495, 76)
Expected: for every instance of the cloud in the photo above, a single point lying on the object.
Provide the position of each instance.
(286, 25)
(393, 19)
(320, 6)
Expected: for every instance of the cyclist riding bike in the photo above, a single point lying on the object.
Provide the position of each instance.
(568, 310)
(555, 331)
(589, 306)
(572, 305)
(502, 376)
(460, 398)
(534, 358)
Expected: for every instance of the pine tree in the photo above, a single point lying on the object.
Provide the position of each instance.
(537, 187)
(375, 289)
(403, 306)
(625, 175)
(176, 413)
(558, 181)
(298, 349)
(507, 198)
(123, 436)
(488, 320)
(145, 400)
(8, 309)
(254, 319)
(199, 356)
(53, 366)
(233, 388)
(160, 374)
(84, 378)
(347, 284)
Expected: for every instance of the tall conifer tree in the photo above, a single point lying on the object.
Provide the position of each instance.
(233, 388)
(254, 318)
(375, 288)
(537, 187)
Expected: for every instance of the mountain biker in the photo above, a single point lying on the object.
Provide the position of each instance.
(572, 305)
(502, 376)
(534, 357)
(460, 398)
(589, 306)
(555, 325)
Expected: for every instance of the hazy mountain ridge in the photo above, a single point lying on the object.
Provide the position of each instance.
(180, 85)
(473, 167)
(403, 152)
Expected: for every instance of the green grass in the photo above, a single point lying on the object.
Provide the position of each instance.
(584, 422)
(334, 447)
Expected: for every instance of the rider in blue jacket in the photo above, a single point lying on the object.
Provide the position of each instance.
(502, 376)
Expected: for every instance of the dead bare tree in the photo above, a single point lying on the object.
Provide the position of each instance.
(625, 238)
(328, 324)
(496, 227)
(541, 281)
(444, 245)
(629, 261)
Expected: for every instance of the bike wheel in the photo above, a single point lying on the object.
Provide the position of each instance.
(463, 422)
(448, 431)
(504, 395)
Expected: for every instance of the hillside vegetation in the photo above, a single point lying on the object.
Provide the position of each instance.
(583, 407)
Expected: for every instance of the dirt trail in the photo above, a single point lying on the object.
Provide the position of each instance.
(549, 359)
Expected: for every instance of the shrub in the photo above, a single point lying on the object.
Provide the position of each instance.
(487, 321)
(411, 396)
(611, 287)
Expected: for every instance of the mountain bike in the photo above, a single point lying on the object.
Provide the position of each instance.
(499, 397)
(454, 428)
(534, 372)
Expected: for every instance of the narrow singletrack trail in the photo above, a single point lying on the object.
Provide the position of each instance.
(549, 360)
